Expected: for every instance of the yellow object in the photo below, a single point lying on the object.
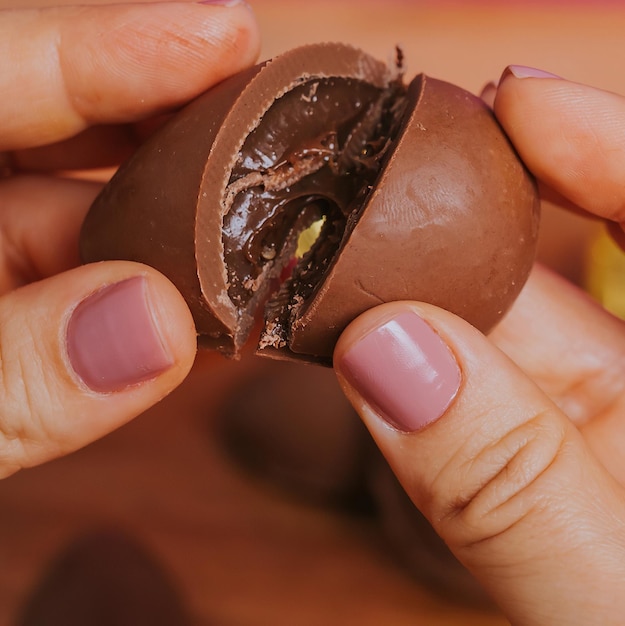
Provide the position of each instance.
(308, 237)
(605, 273)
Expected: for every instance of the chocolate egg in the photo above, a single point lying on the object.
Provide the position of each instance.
(417, 190)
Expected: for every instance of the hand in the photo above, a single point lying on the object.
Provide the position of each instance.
(512, 446)
(85, 349)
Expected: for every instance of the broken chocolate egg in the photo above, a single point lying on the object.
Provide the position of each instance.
(415, 190)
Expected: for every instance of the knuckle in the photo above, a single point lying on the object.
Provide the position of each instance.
(27, 399)
(499, 484)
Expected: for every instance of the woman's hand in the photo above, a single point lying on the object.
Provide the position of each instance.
(512, 446)
(85, 349)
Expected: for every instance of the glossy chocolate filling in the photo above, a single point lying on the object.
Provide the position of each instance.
(316, 152)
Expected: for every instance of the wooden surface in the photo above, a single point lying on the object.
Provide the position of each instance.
(241, 553)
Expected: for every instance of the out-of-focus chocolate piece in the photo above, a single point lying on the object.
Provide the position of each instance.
(291, 426)
(421, 195)
(105, 578)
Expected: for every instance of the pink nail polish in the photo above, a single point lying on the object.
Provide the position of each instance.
(112, 339)
(404, 371)
(523, 71)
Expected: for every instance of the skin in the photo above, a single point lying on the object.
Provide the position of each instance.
(523, 473)
(103, 75)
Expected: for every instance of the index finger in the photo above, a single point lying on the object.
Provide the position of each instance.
(570, 136)
(64, 69)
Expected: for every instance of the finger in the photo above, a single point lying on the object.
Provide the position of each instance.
(112, 64)
(39, 226)
(570, 136)
(488, 93)
(94, 148)
(84, 352)
(554, 322)
(504, 477)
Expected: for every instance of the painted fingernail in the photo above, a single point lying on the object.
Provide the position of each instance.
(404, 371)
(488, 93)
(113, 340)
(523, 71)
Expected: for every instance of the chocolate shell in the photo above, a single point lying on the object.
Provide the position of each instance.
(418, 192)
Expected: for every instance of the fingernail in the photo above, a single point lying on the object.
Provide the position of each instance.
(523, 71)
(404, 371)
(113, 340)
(488, 93)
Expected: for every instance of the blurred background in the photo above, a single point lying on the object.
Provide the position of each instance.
(247, 534)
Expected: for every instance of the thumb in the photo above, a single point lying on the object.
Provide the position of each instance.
(502, 475)
(84, 352)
